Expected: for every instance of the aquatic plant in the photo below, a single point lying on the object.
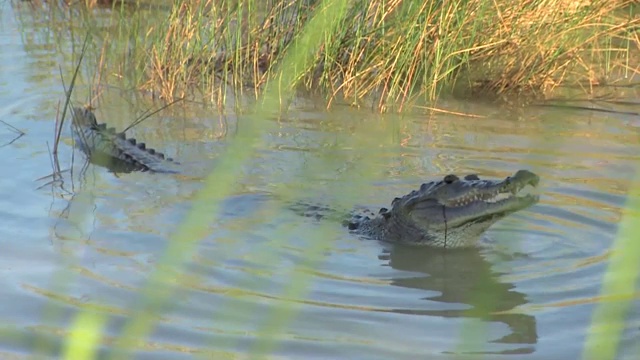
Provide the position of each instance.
(383, 53)
(391, 52)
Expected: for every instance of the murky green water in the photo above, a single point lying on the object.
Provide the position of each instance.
(91, 240)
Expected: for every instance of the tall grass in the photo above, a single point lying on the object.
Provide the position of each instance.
(383, 53)
(393, 51)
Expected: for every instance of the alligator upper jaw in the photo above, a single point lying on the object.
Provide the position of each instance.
(490, 204)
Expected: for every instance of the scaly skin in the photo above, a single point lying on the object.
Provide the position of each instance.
(450, 213)
(106, 147)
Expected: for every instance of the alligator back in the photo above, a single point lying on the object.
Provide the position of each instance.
(106, 147)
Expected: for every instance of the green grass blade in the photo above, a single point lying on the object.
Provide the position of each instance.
(608, 320)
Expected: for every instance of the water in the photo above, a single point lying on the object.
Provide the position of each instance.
(92, 240)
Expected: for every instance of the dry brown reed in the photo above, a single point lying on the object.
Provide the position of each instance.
(390, 52)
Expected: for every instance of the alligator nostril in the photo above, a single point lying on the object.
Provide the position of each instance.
(449, 179)
(472, 177)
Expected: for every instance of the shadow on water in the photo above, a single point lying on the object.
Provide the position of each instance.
(464, 276)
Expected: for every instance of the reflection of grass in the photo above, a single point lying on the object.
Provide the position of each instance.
(389, 52)
(620, 281)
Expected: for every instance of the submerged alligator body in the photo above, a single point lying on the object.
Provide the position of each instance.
(104, 146)
(449, 213)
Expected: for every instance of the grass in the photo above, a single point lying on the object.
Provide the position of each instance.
(84, 335)
(619, 285)
(392, 52)
(384, 54)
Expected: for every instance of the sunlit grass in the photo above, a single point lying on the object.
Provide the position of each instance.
(384, 53)
(84, 338)
(392, 52)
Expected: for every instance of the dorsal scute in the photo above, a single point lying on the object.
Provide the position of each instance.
(106, 141)
(395, 200)
(429, 186)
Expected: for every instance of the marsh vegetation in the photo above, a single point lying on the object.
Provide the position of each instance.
(379, 53)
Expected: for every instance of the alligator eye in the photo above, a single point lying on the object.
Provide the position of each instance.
(472, 177)
(449, 179)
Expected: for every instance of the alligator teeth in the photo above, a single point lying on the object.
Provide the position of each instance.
(487, 197)
(498, 197)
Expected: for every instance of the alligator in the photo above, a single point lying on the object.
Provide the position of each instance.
(449, 213)
(113, 150)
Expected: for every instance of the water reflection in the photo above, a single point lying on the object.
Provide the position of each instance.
(464, 276)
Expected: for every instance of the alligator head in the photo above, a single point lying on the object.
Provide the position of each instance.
(452, 212)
